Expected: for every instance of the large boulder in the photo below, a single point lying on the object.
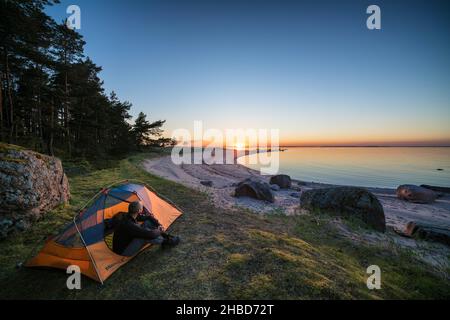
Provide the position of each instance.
(428, 232)
(346, 202)
(254, 188)
(416, 194)
(281, 180)
(30, 185)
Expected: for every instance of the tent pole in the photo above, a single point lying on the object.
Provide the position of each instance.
(89, 252)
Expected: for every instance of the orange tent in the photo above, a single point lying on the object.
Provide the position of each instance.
(85, 242)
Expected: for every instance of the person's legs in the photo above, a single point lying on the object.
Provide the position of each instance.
(168, 239)
(148, 224)
(134, 247)
(138, 243)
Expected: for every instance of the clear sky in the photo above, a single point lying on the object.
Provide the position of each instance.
(309, 68)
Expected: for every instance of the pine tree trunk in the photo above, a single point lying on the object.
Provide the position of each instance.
(52, 126)
(11, 105)
(66, 104)
(66, 115)
(41, 131)
(1, 106)
(40, 122)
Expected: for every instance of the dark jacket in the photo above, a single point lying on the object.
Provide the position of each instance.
(129, 229)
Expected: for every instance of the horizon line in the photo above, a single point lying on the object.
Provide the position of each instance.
(366, 146)
(379, 144)
(336, 146)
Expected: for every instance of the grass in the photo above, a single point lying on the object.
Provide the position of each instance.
(225, 254)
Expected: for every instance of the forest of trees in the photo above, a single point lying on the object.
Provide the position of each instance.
(51, 96)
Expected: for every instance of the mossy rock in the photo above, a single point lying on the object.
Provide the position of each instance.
(347, 202)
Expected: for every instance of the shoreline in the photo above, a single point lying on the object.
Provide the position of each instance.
(224, 177)
(397, 212)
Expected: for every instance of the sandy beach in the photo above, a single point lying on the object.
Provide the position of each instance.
(397, 212)
(225, 176)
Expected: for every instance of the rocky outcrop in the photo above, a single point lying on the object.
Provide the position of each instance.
(428, 232)
(30, 185)
(416, 194)
(281, 180)
(346, 202)
(254, 188)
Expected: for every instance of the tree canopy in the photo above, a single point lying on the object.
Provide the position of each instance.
(51, 96)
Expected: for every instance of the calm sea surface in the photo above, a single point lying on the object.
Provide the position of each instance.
(374, 167)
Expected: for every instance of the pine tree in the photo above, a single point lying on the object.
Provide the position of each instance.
(143, 131)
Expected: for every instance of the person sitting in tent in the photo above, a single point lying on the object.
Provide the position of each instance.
(130, 236)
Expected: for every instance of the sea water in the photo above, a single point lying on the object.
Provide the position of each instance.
(385, 167)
